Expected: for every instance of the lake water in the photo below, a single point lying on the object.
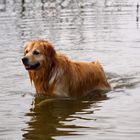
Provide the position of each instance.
(107, 30)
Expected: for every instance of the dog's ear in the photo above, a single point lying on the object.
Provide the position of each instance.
(50, 52)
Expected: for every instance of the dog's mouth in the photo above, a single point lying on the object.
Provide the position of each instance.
(32, 66)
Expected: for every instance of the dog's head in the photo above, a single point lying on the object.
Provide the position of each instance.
(38, 54)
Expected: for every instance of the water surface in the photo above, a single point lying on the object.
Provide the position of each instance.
(107, 30)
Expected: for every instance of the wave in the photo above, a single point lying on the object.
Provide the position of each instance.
(123, 81)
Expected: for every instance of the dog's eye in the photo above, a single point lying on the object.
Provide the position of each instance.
(26, 52)
(36, 53)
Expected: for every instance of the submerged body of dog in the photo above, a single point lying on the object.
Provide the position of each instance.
(54, 74)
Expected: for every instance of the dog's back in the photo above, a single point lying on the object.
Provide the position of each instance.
(80, 78)
(86, 78)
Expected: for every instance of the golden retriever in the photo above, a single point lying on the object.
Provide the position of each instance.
(54, 74)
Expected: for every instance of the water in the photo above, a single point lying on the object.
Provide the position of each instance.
(107, 30)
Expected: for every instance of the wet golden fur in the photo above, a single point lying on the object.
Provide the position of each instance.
(60, 76)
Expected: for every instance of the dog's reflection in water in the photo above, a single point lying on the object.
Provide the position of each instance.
(48, 115)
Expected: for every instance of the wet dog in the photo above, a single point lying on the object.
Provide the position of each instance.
(53, 74)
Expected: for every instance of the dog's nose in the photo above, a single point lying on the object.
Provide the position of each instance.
(25, 60)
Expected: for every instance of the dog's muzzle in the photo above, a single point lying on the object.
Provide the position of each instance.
(28, 65)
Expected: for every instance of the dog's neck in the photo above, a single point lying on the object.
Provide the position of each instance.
(45, 79)
(41, 79)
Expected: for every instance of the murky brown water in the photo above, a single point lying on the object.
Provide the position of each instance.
(108, 30)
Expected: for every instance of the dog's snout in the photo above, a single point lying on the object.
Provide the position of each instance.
(25, 60)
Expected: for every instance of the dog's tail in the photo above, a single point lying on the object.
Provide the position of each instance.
(100, 68)
(98, 64)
